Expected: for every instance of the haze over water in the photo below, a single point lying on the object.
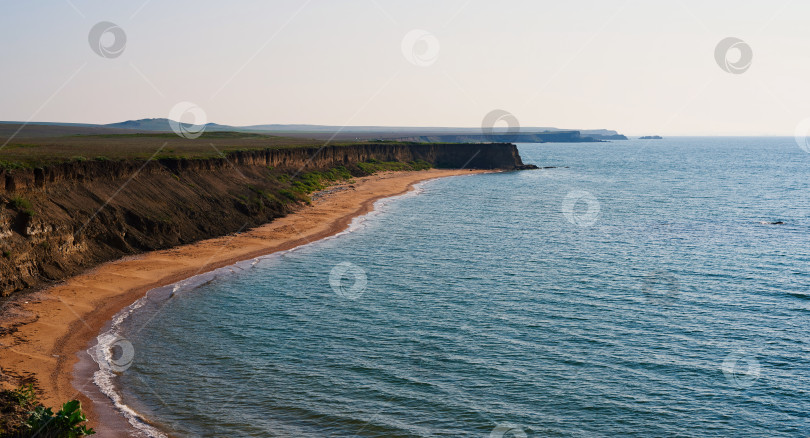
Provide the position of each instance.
(635, 293)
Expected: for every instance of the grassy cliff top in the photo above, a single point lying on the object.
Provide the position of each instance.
(43, 151)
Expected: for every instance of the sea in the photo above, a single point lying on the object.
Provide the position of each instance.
(640, 288)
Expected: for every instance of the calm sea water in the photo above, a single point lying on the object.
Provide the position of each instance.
(641, 291)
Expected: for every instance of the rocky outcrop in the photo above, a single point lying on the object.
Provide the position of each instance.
(60, 220)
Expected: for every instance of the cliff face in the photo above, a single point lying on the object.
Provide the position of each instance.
(473, 156)
(60, 220)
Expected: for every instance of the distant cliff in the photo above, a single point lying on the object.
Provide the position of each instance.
(59, 220)
(521, 137)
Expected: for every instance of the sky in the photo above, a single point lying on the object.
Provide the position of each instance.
(637, 66)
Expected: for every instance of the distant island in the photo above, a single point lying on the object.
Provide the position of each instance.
(651, 137)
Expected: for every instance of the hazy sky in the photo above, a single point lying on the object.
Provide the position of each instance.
(638, 66)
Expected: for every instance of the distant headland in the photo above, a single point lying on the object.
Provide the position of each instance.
(337, 133)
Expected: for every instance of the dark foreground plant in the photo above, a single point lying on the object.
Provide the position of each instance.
(21, 416)
(15, 406)
(67, 423)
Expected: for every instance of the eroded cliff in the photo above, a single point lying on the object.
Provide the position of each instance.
(59, 220)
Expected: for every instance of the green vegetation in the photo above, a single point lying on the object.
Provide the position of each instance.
(293, 196)
(374, 166)
(297, 188)
(67, 423)
(22, 205)
(261, 199)
(22, 416)
(11, 165)
(313, 181)
(20, 397)
(41, 149)
(46, 151)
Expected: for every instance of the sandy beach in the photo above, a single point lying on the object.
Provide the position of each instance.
(56, 325)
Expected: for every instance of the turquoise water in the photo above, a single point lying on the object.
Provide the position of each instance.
(636, 292)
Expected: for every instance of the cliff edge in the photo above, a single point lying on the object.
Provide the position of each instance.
(59, 220)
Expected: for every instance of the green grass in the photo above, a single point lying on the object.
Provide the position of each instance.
(32, 152)
(12, 165)
(22, 205)
(313, 181)
(373, 166)
(298, 188)
(47, 151)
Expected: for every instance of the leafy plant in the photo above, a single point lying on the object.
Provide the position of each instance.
(22, 416)
(67, 423)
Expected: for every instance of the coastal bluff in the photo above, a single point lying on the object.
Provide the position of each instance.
(62, 219)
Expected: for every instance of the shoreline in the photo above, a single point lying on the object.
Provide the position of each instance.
(58, 324)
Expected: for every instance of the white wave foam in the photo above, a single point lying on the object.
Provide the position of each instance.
(104, 377)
